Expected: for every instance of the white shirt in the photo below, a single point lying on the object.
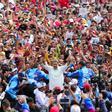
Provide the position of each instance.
(98, 18)
(31, 39)
(56, 77)
(61, 95)
(77, 95)
(94, 40)
(78, 91)
(83, 1)
(83, 12)
(12, 1)
(40, 98)
(69, 35)
(75, 108)
(1, 6)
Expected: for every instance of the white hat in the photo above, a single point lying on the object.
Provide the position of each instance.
(71, 20)
(1, 5)
(41, 84)
(77, 5)
(15, 69)
(73, 81)
(11, 34)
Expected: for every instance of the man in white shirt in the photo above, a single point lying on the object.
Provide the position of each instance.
(69, 34)
(40, 96)
(95, 40)
(31, 39)
(75, 108)
(98, 18)
(83, 11)
(77, 92)
(56, 77)
(75, 83)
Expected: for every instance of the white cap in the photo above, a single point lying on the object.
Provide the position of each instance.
(15, 69)
(73, 81)
(1, 5)
(71, 20)
(41, 84)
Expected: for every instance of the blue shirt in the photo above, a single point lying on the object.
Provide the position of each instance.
(79, 74)
(83, 75)
(31, 73)
(109, 95)
(87, 73)
(89, 23)
(41, 75)
(22, 107)
(12, 88)
(36, 74)
(88, 103)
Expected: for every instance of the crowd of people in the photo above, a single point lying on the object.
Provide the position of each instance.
(55, 56)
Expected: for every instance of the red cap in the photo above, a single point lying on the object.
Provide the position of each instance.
(87, 86)
(57, 88)
(57, 23)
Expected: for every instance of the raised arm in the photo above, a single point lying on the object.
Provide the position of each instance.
(64, 67)
(73, 74)
(46, 66)
(10, 88)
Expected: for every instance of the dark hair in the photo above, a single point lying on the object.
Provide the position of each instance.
(5, 68)
(30, 99)
(82, 63)
(73, 102)
(86, 90)
(48, 91)
(73, 88)
(56, 92)
(5, 103)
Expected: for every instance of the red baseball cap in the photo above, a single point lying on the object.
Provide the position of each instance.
(87, 86)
